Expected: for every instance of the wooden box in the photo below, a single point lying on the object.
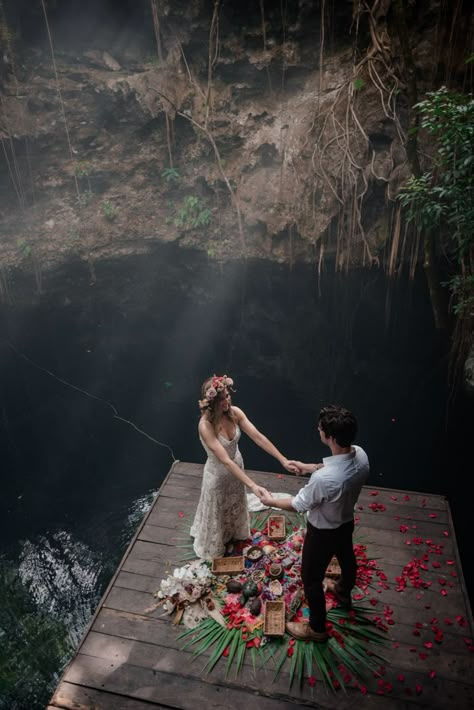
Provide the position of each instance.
(274, 620)
(228, 565)
(276, 527)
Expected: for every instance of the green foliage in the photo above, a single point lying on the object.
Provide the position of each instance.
(358, 84)
(33, 646)
(109, 211)
(443, 197)
(84, 198)
(171, 175)
(25, 248)
(358, 651)
(82, 169)
(194, 213)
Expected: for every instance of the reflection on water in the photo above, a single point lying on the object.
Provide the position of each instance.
(62, 575)
(78, 481)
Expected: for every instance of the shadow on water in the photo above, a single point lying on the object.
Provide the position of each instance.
(143, 337)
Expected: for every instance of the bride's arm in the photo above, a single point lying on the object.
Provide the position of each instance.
(261, 440)
(209, 437)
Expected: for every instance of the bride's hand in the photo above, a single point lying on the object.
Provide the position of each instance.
(294, 466)
(291, 466)
(260, 492)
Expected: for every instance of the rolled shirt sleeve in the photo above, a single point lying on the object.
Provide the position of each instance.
(312, 495)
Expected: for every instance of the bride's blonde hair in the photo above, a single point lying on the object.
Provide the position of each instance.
(211, 390)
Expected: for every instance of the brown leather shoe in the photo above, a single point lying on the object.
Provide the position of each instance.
(341, 598)
(303, 631)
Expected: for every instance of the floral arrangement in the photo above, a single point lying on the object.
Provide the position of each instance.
(218, 384)
(224, 616)
(180, 591)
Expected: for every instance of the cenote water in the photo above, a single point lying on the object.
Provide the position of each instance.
(76, 481)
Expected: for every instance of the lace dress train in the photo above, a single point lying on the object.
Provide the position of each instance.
(222, 513)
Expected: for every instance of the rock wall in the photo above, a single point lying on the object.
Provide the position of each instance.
(251, 131)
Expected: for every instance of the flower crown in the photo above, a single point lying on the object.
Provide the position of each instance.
(216, 385)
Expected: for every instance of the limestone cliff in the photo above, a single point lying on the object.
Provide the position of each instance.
(252, 128)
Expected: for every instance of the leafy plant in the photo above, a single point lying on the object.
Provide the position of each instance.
(442, 199)
(171, 175)
(82, 169)
(84, 198)
(193, 213)
(358, 84)
(109, 211)
(24, 248)
(356, 635)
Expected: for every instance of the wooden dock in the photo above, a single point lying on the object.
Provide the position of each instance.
(130, 659)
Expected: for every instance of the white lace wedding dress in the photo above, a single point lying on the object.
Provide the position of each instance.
(222, 513)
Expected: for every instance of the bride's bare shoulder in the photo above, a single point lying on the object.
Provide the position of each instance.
(238, 413)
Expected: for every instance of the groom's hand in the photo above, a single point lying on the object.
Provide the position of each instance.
(268, 499)
(292, 466)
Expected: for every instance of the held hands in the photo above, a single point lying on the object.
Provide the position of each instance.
(267, 499)
(290, 466)
(261, 492)
(300, 468)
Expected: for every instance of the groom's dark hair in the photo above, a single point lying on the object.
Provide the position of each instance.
(339, 423)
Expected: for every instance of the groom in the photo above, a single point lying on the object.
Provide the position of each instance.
(329, 498)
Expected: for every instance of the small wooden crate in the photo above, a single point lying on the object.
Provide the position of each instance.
(276, 527)
(228, 565)
(274, 620)
(333, 571)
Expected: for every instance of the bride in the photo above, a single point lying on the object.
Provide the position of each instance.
(222, 513)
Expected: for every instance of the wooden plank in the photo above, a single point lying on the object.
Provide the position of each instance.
(189, 481)
(182, 493)
(391, 520)
(121, 653)
(163, 536)
(170, 689)
(386, 538)
(449, 657)
(171, 518)
(139, 582)
(185, 468)
(76, 697)
(402, 497)
(132, 601)
(158, 569)
(155, 552)
(133, 654)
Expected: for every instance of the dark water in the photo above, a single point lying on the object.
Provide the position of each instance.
(76, 482)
